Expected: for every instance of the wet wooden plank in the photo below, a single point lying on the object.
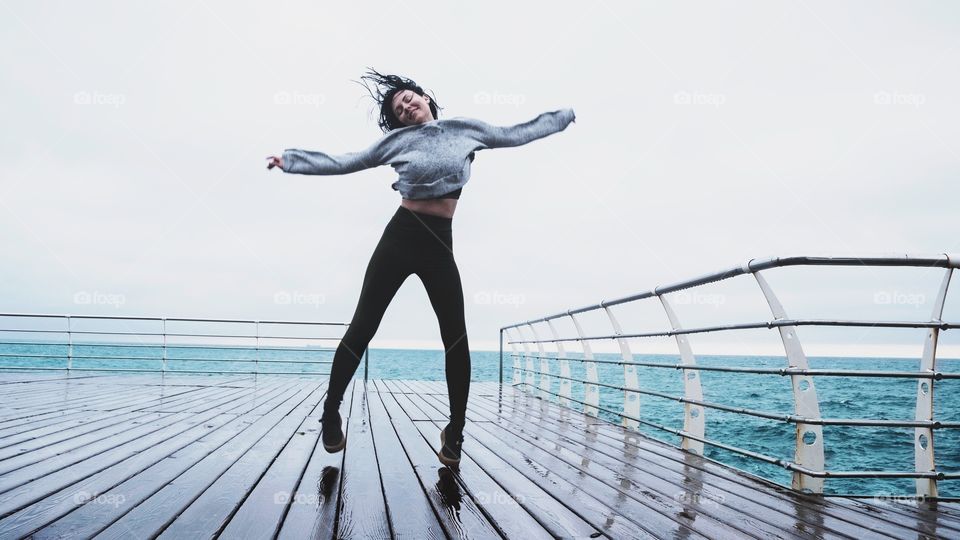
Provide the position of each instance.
(805, 513)
(38, 425)
(704, 510)
(510, 509)
(363, 512)
(40, 434)
(211, 490)
(653, 453)
(51, 497)
(684, 478)
(312, 510)
(237, 456)
(408, 507)
(251, 483)
(154, 495)
(458, 514)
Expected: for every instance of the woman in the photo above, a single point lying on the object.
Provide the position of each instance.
(433, 160)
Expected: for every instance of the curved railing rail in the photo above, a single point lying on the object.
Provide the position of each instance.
(249, 344)
(808, 465)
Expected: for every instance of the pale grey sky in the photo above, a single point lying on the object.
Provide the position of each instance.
(133, 178)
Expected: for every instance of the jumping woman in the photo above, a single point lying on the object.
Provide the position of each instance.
(433, 158)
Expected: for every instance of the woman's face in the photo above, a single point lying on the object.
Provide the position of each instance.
(411, 108)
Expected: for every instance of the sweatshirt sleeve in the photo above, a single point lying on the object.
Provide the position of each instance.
(505, 136)
(298, 161)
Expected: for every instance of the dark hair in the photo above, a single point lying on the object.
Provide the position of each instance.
(385, 88)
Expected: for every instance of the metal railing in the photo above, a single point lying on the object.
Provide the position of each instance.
(808, 464)
(244, 345)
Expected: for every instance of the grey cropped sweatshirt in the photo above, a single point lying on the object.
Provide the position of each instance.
(432, 158)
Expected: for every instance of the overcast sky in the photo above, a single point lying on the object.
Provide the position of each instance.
(133, 177)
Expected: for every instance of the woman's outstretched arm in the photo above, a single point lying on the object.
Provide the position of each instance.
(298, 161)
(505, 136)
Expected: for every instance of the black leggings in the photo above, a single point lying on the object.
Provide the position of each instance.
(412, 243)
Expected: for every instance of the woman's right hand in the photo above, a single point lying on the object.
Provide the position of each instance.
(274, 161)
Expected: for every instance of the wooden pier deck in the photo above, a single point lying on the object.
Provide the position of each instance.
(237, 456)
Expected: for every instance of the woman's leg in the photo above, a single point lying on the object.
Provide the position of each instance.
(441, 279)
(386, 271)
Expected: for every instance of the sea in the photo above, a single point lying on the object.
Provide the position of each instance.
(847, 448)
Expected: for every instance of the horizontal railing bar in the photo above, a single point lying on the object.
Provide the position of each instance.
(755, 265)
(168, 346)
(168, 359)
(937, 375)
(168, 334)
(167, 372)
(789, 418)
(168, 319)
(681, 433)
(789, 465)
(752, 326)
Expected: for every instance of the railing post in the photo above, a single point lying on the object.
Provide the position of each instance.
(545, 380)
(516, 379)
(591, 391)
(69, 346)
(923, 436)
(528, 375)
(694, 417)
(366, 364)
(163, 331)
(564, 367)
(500, 371)
(809, 437)
(256, 358)
(631, 400)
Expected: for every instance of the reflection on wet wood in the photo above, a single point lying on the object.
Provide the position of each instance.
(187, 456)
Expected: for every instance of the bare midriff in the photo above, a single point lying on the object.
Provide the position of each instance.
(434, 207)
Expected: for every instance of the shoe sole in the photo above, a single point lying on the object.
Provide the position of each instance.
(445, 460)
(335, 448)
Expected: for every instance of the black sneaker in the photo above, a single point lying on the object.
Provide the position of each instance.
(332, 434)
(449, 453)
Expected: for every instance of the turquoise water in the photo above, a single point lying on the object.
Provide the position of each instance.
(846, 448)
